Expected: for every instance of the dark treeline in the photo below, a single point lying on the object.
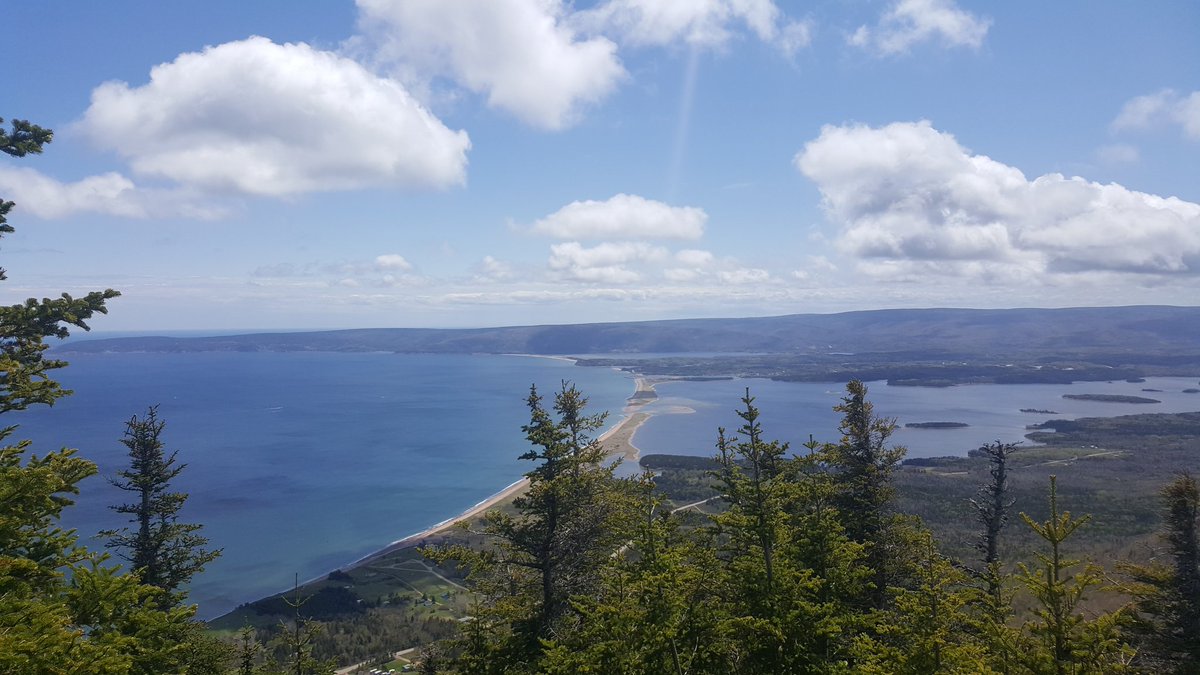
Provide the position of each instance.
(806, 567)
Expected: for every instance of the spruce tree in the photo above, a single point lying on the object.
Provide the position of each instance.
(63, 609)
(657, 607)
(992, 505)
(567, 524)
(862, 464)
(162, 551)
(929, 630)
(247, 652)
(24, 327)
(1167, 595)
(295, 642)
(753, 481)
(792, 577)
(1062, 638)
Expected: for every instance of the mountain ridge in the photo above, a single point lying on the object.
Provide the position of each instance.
(1142, 329)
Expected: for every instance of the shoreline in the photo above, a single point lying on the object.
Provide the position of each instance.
(620, 436)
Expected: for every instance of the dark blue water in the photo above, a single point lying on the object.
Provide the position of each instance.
(301, 463)
(688, 413)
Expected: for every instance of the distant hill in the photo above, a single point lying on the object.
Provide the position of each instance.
(1154, 332)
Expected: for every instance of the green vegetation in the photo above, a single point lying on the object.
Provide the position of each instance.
(1167, 595)
(837, 559)
(365, 613)
(570, 521)
(162, 551)
(1111, 398)
(64, 608)
(682, 587)
(807, 564)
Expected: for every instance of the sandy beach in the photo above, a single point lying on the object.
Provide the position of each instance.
(618, 441)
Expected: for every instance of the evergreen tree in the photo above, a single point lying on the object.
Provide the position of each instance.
(1167, 595)
(296, 641)
(991, 511)
(792, 577)
(247, 652)
(162, 551)
(1062, 638)
(62, 609)
(656, 609)
(929, 629)
(754, 482)
(568, 523)
(862, 465)
(24, 370)
(993, 605)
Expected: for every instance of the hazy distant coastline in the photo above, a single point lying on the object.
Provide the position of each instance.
(937, 347)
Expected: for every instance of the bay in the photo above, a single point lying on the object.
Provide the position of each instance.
(299, 463)
(687, 413)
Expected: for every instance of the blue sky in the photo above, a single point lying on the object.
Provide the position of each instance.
(232, 165)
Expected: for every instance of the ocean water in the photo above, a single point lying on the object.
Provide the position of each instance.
(299, 463)
(304, 462)
(689, 412)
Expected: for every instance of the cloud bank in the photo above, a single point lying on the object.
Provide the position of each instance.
(909, 198)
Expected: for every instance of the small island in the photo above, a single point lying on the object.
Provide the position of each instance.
(1039, 411)
(1111, 398)
(936, 425)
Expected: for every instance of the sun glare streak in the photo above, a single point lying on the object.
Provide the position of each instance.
(686, 101)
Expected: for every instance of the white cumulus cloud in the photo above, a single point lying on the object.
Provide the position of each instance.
(607, 262)
(392, 261)
(623, 217)
(1163, 108)
(108, 193)
(262, 118)
(709, 23)
(521, 54)
(492, 269)
(694, 263)
(906, 193)
(910, 22)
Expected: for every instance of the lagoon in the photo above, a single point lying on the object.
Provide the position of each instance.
(687, 413)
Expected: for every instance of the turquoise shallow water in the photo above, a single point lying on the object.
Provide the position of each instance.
(300, 463)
